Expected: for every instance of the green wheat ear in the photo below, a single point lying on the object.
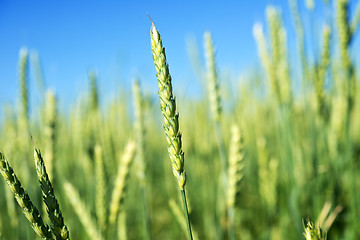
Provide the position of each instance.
(168, 107)
(171, 117)
(23, 199)
(59, 229)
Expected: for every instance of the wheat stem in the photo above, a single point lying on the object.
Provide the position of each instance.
(183, 195)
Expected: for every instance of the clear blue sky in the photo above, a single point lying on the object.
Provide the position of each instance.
(112, 37)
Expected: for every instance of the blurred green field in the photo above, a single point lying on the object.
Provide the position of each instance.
(299, 158)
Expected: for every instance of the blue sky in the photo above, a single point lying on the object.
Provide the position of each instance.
(112, 37)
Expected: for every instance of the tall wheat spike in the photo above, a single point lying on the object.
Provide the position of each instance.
(58, 227)
(170, 116)
(23, 199)
(236, 165)
(235, 174)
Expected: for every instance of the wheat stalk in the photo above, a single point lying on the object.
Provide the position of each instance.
(23, 199)
(176, 210)
(59, 229)
(170, 116)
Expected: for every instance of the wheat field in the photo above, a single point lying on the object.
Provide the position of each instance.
(274, 156)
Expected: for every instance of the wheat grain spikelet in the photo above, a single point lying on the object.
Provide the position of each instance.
(59, 229)
(236, 165)
(23, 199)
(168, 107)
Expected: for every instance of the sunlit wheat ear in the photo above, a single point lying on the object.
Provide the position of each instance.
(59, 229)
(118, 194)
(168, 108)
(212, 78)
(23, 199)
(236, 165)
(82, 212)
(312, 232)
(170, 116)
